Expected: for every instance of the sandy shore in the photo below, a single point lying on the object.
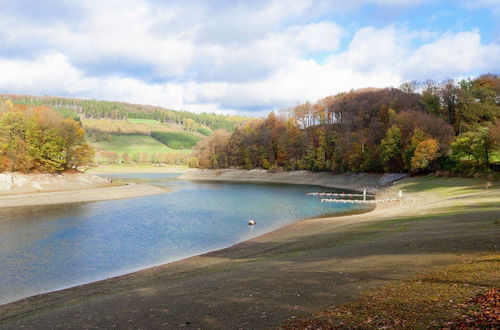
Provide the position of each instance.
(79, 196)
(46, 189)
(301, 268)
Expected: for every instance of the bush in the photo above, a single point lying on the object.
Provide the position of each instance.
(447, 163)
(193, 162)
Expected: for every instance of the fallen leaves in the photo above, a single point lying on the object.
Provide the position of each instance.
(429, 300)
(483, 311)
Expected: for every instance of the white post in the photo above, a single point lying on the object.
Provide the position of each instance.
(400, 194)
(364, 194)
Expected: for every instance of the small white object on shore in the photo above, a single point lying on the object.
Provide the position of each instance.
(252, 222)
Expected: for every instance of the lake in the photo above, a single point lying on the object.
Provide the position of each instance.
(53, 247)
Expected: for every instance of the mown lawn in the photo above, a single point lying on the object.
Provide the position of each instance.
(133, 144)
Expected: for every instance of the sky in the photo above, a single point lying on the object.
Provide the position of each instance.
(239, 57)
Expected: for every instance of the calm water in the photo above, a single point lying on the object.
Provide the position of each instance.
(53, 247)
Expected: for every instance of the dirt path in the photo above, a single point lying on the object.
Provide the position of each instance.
(298, 269)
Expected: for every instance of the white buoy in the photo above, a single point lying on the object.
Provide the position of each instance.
(252, 222)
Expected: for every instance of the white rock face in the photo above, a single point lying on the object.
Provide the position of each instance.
(5, 181)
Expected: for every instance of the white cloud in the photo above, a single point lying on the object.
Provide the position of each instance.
(48, 73)
(314, 37)
(245, 55)
(438, 57)
(371, 49)
(451, 54)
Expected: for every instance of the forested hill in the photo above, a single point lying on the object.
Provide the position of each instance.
(123, 133)
(448, 126)
(92, 109)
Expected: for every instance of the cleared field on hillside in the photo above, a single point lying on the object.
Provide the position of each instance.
(144, 121)
(176, 140)
(133, 144)
(138, 126)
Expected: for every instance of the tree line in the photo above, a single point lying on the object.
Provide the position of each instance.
(39, 139)
(120, 111)
(416, 128)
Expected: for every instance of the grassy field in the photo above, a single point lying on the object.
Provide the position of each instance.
(133, 126)
(144, 121)
(445, 187)
(176, 140)
(437, 298)
(133, 144)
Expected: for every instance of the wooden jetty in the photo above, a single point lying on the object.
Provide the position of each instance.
(359, 201)
(354, 201)
(338, 194)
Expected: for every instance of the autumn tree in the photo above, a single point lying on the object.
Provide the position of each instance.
(478, 144)
(417, 137)
(390, 154)
(40, 139)
(425, 153)
(370, 130)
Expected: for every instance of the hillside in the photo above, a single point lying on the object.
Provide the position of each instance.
(452, 127)
(130, 133)
(122, 111)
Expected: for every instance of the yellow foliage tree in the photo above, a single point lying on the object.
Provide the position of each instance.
(38, 139)
(426, 152)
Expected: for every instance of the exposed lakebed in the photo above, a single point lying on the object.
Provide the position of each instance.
(52, 247)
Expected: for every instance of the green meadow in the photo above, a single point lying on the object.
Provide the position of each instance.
(133, 144)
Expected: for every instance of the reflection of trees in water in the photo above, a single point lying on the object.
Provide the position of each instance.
(41, 213)
(33, 223)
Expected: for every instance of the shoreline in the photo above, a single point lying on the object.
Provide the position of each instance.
(140, 190)
(350, 181)
(107, 169)
(177, 280)
(79, 195)
(18, 190)
(50, 189)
